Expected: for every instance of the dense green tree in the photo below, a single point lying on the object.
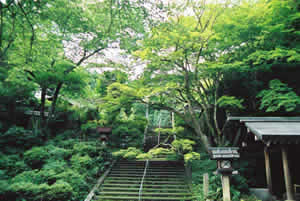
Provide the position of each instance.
(191, 56)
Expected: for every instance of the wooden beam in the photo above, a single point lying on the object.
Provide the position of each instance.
(268, 169)
(205, 185)
(226, 188)
(287, 175)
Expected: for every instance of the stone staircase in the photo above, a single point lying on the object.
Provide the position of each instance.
(164, 180)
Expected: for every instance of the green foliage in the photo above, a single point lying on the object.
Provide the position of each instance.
(36, 157)
(29, 191)
(109, 77)
(81, 163)
(129, 153)
(279, 97)
(76, 180)
(230, 103)
(191, 156)
(4, 189)
(12, 164)
(144, 156)
(90, 125)
(239, 187)
(19, 138)
(160, 151)
(60, 170)
(179, 150)
(128, 130)
(169, 131)
(183, 146)
(60, 190)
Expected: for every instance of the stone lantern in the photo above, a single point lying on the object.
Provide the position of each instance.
(224, 157)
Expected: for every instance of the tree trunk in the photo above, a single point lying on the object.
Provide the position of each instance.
(197, 127)
(54, 101)
(146, 127)
(12, 111)
(42, 109)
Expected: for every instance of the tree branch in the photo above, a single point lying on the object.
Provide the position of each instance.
(32, 38)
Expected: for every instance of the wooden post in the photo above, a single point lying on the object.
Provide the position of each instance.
(146, 127)
(173, 124)
(226, 188)
(205, 185)
(268, 170)
(287, 175)
(159, 126)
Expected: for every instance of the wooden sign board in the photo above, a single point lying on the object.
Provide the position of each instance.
(224, 153)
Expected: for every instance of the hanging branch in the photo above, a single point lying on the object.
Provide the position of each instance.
(32, 38)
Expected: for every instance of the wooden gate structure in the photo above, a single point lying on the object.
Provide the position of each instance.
(276, 134)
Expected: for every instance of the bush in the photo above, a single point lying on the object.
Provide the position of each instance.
(58, 153)
(81, 163)
(130, 153)
(191, 156)
(76, 180)
(84, 148)
(36, 157)
(28, 191)
(31, 192)
(12, 164)
(32, 176)
(4, 189)
(16, 138)
(61, 190)
(57, 165)
(61, 170)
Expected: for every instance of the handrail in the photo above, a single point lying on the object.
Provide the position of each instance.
(99, 182)
(142, 181)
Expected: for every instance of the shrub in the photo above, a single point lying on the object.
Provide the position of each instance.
(57, 165)
(4, 189)
(13, 164)
(189, 157)
(76, 180)
(183, 146)
(32, 176)
(18, 138)
(58, 153)
(61, 190)
(130, 153)
(66, 144)
(84, 148)
(31, 192)
(28, 190)
(36, 157)
(81, 163)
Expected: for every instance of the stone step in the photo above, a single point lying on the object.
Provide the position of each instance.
(164, 180)
(125, 188)
(146, 178)
(147, 194)
(145, 182)
(173, 186)
(132, 198)
(148, 175)
(148, 172)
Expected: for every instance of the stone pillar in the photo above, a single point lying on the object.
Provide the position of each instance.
(287, 175)
(226, 188)
(268, 170)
